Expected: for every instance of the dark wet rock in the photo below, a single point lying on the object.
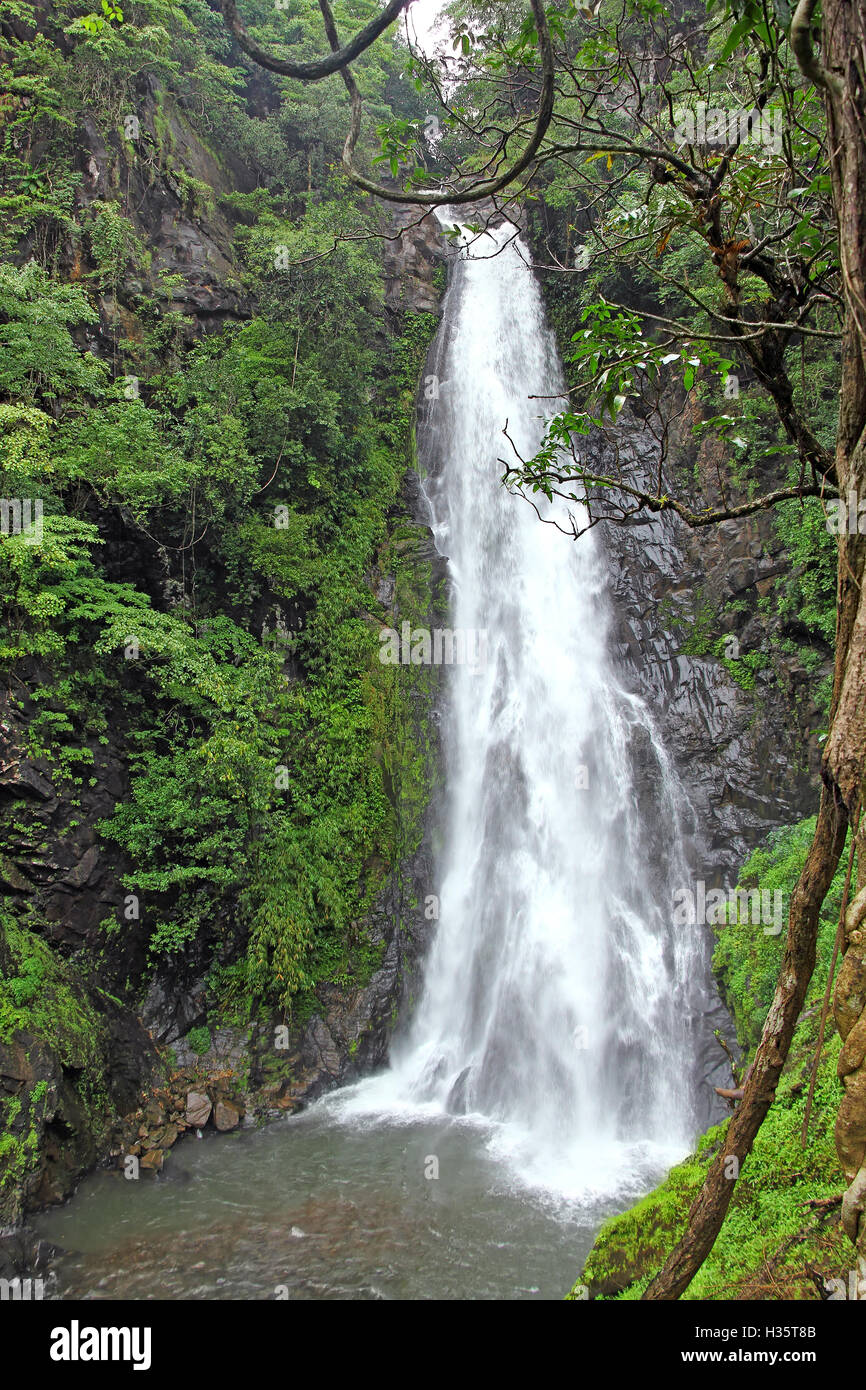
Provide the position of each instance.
(54, 1131)
(154, 1113)
(168, 1013)
(188, 236)
(19, 778)
(385, 588)
(739, 753)
(84, 870)
(319, 1049)
(229, 1051)
(457, 1096)
(12, 877)
(67, 1078)
(24, 1256)
(163, 1138)
(411, 261)
(71, 879)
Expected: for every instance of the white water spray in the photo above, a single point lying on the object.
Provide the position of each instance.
(556, 1006)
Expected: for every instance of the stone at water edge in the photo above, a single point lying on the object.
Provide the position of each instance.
(154, 1114)
(164, 1138)
(152, 1159)
(226, 1116)
(198, 1108)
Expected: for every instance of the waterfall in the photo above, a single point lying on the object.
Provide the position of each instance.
(558, 1006)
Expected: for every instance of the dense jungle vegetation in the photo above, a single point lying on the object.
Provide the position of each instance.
(206, 387)
(213, 493)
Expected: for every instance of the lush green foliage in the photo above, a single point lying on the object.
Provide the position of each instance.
(746, 960)
(251, 471)
(770, 1243)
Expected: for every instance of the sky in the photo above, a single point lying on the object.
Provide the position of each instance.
(422, 15)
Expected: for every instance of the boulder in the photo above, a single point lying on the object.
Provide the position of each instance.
(164, 1137)
(198, 1108)
(154, 1113)
(226, 1115)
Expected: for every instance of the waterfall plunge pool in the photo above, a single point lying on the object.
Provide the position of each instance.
(329, 1205)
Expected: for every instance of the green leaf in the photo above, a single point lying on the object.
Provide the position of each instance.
(737, 34)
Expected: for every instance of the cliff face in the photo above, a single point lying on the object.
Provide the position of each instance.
(745, 743)
(182, 224)
(747, 758)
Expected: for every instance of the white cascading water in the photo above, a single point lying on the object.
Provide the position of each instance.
(557, 1006)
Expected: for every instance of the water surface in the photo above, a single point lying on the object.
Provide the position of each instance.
(321, 1207)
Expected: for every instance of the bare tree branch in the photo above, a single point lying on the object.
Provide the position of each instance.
(320, 67)
(800, 39)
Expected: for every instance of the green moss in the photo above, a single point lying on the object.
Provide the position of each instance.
(746, 960)
(199, 1040)
(39, 994)
(629, 1247)
(743, 669)
(44, 1006)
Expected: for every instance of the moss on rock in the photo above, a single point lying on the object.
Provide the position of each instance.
(55, 1108)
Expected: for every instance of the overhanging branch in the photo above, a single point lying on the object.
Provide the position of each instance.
(656, 503)
(315, 70)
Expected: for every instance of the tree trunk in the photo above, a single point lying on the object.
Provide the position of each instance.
(844, 56)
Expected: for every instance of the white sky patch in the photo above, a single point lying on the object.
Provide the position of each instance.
(423, 19)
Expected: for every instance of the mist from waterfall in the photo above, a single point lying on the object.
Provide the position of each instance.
(558, 1007)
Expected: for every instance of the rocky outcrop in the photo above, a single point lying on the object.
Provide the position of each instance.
(748, 758)
(413, 253)
(172, 183)
(69, 1064)
(52, 856)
